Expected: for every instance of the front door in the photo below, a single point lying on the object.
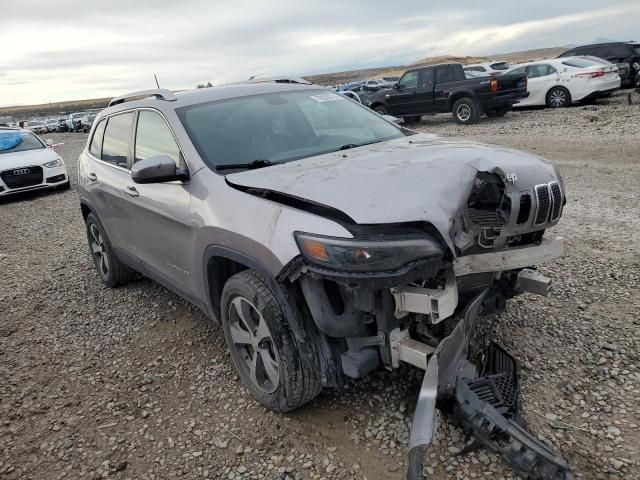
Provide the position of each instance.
(161, 226)
(402, 99)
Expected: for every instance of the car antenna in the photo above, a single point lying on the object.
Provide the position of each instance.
(156, 79)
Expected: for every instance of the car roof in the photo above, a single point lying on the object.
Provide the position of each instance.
(422, 67)
(631, 42)
(211, 94)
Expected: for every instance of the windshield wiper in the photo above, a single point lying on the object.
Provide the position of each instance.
(354, 145)
(259, 163)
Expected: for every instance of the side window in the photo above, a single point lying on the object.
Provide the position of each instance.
(410, 79)
(620, 51)
(96, 142)
(519, 70)
(444, 74)
(571, 53)
(426, 79)
(117, 139)
(154, 138)
(541, 70)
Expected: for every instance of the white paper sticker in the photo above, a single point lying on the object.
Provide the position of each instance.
(326, 97)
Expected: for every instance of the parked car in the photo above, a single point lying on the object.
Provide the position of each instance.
(62, 124)
(377, 84)
(489, 68)
(87, 121)
(624, 54)
(351, 85)
(391, 79)
(445, 88)
(36, 126)
(326, 240)
(51, 124)
(563, 81)
(27, 163)
(74, 121)
(5, 121)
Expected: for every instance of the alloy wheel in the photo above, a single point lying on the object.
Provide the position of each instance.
(98, 249)
(463, 112)
(252, 340)
(557, 98)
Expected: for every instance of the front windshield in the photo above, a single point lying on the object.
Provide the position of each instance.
(280, 127)
(13, 141)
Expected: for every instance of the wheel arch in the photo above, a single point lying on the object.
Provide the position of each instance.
(455, 96)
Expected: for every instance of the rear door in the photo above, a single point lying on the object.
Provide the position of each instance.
(160, 218)
(444, 76)
(107, 174)
(541, 77)
(424, 92)
(402, 100)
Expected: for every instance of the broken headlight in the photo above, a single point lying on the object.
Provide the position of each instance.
(367, 255)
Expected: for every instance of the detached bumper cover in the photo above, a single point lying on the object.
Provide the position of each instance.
(487, 405)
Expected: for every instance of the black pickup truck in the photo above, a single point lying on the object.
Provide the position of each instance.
(445, 88)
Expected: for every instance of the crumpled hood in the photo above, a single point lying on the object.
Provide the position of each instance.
(417, 178)
(26, 158)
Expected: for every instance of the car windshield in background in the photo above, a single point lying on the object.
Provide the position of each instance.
(500, 66)
(580, 62)
(281, 127)
(11, 141)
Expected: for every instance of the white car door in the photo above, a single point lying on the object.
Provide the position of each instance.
(541, 77)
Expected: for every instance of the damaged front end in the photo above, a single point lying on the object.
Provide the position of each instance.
(401, 293)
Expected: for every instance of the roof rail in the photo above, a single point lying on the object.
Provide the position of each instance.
(277, 79)
(159, 93)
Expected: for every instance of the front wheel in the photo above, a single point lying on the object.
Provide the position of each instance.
(266, 354)
(465, 111)
(381, 109)
(558, 97)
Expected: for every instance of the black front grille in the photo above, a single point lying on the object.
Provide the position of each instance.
(525, 208)
(544, 204)
(556, 195)
(22, 177)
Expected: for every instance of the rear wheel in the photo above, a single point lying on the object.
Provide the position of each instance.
(266, 354)
(111, 270)
(465, 111)
(558, 97)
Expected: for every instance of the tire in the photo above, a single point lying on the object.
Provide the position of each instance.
(558, 97)
(284, 377)
(499, 112)
(111, 270)
(381, 109)
(465, 111)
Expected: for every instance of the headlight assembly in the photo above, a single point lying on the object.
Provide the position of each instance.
(54, 163)
(358, 255)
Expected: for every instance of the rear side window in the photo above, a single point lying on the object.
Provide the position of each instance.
(117, 139)
(96, 142)
(619, 51)
(426, 79)
(444, 74)
(153, 138)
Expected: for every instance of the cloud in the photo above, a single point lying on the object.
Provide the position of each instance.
(63, 51)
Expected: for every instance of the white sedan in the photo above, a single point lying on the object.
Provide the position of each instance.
(26, 163)
(559, 82)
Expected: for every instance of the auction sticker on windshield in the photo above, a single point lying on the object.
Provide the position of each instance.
(326, 97)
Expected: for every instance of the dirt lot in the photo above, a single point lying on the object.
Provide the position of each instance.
(133, 383)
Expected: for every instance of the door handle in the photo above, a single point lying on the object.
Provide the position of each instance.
(131, 191)
(92, 177)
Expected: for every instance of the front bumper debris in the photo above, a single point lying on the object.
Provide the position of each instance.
(485, 399)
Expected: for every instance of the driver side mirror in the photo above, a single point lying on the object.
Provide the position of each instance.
(157, 169)
(398, 86)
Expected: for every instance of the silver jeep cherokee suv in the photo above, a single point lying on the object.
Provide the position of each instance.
(327, 240)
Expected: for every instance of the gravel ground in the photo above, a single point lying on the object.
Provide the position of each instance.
(134, 383)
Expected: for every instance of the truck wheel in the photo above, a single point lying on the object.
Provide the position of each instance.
(465, 111)
(263, 348)
(111, 270)
(558, 97)
(381, 109)
(499, 112)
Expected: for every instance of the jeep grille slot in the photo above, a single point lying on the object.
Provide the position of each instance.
(556, 196)
(525, 209)
(543, 198)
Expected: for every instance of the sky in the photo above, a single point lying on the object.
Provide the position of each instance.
(70, 50)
